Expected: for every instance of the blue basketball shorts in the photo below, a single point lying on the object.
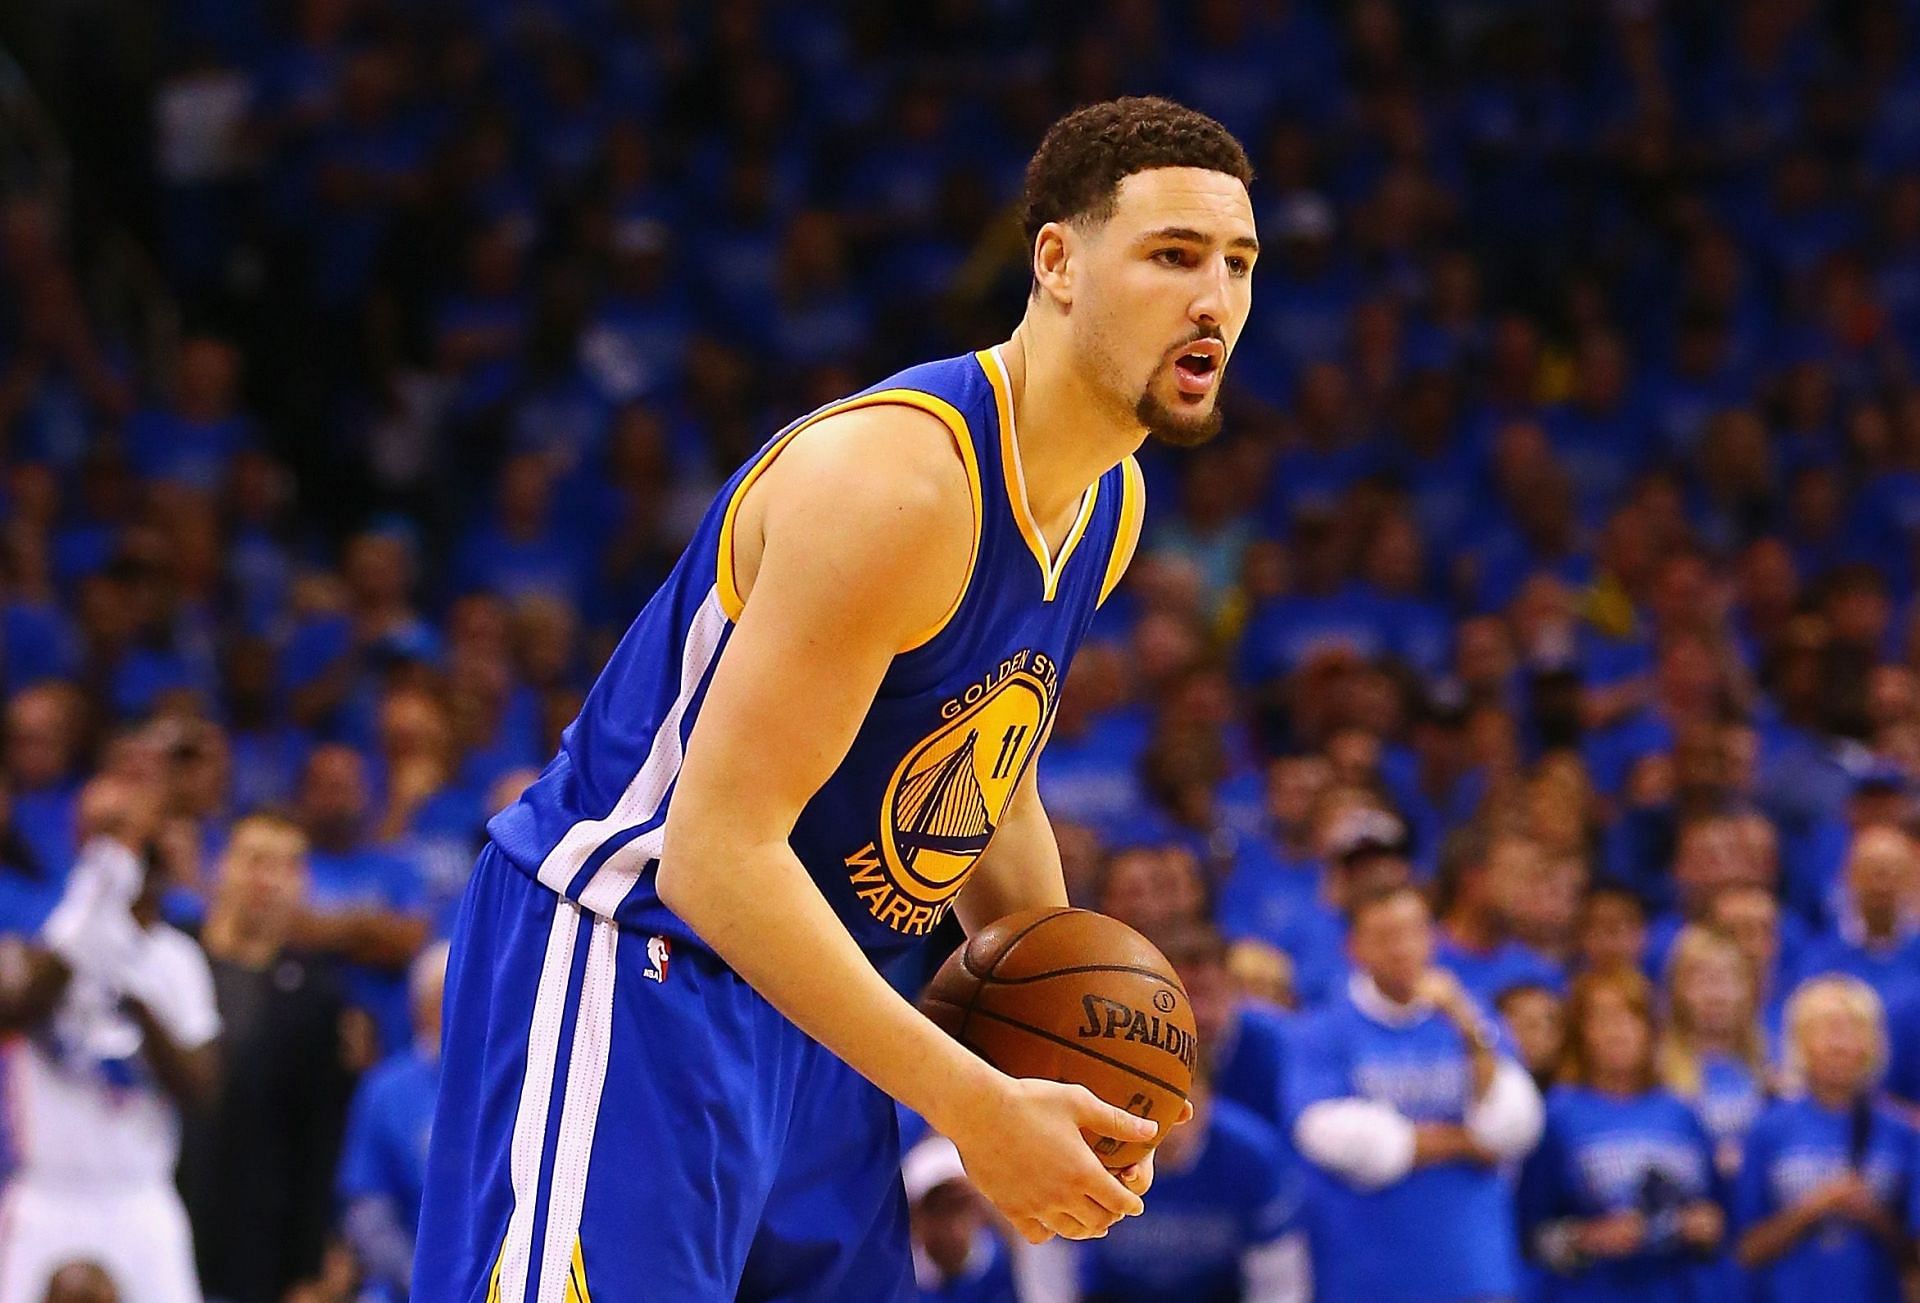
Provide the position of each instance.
(621, 1122)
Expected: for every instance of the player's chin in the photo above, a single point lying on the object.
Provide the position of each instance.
(1183, 420)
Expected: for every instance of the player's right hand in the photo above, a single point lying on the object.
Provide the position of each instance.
(1023, 1149)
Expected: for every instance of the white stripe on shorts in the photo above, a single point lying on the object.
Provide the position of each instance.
(586, 1074)
(641, 800)
(536, 1092)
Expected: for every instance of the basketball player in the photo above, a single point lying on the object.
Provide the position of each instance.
(669, 1039)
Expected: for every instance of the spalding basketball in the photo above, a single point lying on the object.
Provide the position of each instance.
(1071, 995)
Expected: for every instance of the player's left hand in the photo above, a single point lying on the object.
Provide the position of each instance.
(1138, 1177)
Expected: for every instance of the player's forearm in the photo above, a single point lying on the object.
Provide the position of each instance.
(1020, 870)
(761, 912)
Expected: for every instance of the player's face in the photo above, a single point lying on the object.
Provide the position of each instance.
(1166, 292)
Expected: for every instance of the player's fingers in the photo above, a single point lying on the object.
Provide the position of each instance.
(1096, 1217)
(1105, 1119)
(1113, 1197)
(1136, 1177)
(1032, 1230)
(1186, 1113)
(1069, 1227)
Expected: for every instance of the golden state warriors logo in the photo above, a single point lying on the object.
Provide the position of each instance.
(948, 793)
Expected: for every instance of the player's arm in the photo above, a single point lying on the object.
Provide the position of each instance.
(1020, 869)
(864, 532)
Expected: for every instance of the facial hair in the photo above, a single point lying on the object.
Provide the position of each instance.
(1171, 427)
(1174, 427)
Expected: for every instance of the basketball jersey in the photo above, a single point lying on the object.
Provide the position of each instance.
(892, 834)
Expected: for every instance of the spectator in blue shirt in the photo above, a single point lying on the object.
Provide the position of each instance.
(1829, 1176)
(383, 1157)
(44, 724)
(1481, 874)
(1408, 1106)
(364, 905)
(958, 1255)
(1749, 916)
(1222, 1226)
(194, 439)
(1713, 1049)
(1621, 1201)
(1877, 937)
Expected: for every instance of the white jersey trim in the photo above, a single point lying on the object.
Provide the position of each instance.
(643, 796)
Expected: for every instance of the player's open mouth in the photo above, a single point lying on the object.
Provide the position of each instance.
(1197, 368)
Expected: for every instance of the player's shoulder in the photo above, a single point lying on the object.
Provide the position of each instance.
(899, 471)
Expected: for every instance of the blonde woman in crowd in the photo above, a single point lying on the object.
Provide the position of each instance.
(1826, 1189)
(1713, 1050)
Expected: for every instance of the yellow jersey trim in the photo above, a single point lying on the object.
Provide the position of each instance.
(731, 601)
(1050, 566)
(1133, 510)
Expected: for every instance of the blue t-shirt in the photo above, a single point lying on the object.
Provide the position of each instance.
(369, 879)
(1798, 1146)
(1442, 1234)
(384, 1152)
(1488, 973)
(1241, 1191)
(1249, 1064)
(1603, 1154)
(1892, 971)
(1732, 1097)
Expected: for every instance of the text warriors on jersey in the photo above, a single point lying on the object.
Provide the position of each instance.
(949, 792)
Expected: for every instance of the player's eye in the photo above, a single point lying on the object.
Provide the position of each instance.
(1171, 257)
(1238, 266)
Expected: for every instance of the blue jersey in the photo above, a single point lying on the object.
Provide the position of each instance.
(1241, 1191)
(1602, 1154)
(892, 834)
(1443, 1233)
(1796, 1147)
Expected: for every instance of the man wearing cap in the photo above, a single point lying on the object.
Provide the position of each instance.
(1364, 850)
(957, 1255)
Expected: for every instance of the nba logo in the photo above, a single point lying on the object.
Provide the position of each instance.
(659, 951)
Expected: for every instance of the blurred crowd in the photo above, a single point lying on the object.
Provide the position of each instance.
(1510, 725)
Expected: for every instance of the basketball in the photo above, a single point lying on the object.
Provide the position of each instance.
(1071, 995)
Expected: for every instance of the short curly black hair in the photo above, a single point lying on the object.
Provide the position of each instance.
(1076, 173)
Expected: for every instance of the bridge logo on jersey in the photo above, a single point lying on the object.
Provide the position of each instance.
(948, 794)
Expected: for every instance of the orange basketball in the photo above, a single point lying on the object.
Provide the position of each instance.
(1071, 995)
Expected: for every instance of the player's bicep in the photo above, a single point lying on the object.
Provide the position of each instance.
(855, 558)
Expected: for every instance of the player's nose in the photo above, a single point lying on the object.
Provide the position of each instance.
(1208, 306)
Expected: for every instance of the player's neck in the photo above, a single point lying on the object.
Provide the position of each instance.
(1066, 440)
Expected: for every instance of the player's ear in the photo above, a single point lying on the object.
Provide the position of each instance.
(1053, 250)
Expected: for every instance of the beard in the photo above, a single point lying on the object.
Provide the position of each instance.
(1177, 428)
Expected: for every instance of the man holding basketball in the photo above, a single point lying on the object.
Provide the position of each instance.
(669, 1042)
